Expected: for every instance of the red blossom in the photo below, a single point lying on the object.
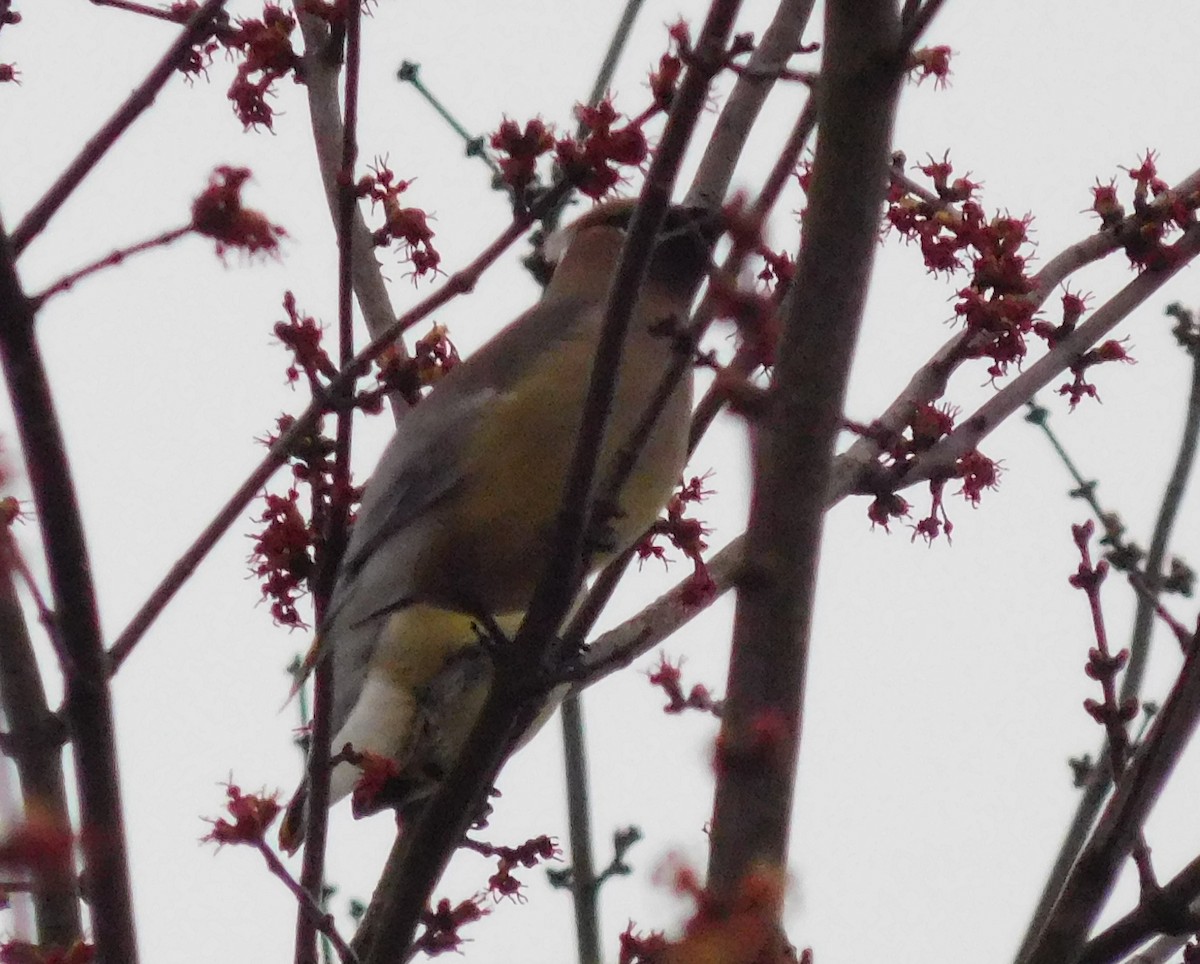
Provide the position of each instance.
(592, 164)
(1079, 387)
(11, 511)
(977, 472)
(1073, 306)
(756, 316)
(953, 232)
(282, 556)
(664, 81)
(252, 815)
(301, 334)
(218, 213)
(265, 47)
(1106, 205)
(669, 679)
(885, 507)
(408, 226)
(635, 948)
(687, 535)
(778, 269)
(182, 11)
(1157, 213)
(936, 522)
(529, 854)
(931, 62)
(377, 776)
(442, 924)
(520, 149)
(10, 74)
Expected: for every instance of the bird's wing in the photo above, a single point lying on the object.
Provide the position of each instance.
(420, 467)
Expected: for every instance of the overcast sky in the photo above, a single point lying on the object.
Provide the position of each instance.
(946, 683)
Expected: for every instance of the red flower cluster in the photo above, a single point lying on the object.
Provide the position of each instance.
(687, 535)
(927, 426)
(302, 335)
(442, 924)
(252, 815)
(407, 226)
(529, 854)
(593, 164)
(282, 556)
(995, 305)
(931, 62)
(669, 678)
(520, 149)
(218, 213)
(1157, 212)
(265, 46)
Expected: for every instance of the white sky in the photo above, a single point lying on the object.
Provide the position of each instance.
(946, 682)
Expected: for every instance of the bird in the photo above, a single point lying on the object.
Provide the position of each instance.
(460, 511)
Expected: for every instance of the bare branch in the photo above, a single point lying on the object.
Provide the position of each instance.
(1091, 880)
(321, 80)
(36, 738)
(1100, 780)
(779, 42)
(88, 700)
(857, 94)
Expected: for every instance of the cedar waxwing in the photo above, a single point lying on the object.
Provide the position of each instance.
(458, 515)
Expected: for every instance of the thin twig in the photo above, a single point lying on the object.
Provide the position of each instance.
(36, 739)
(916, 25)
(157, 13)
(1100, 779)
(312, 874)
(99, 143)
(1091, 879)
(739, 112)
(321, 920)
(321, 81)
(584, 884)
(1171, 907)
(108, 261)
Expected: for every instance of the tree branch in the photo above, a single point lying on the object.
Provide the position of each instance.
(1100, 781)
(321, 81)
(779, 43)
(793, 445)
(88, 701)
(36, 736)
(1091, 880)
